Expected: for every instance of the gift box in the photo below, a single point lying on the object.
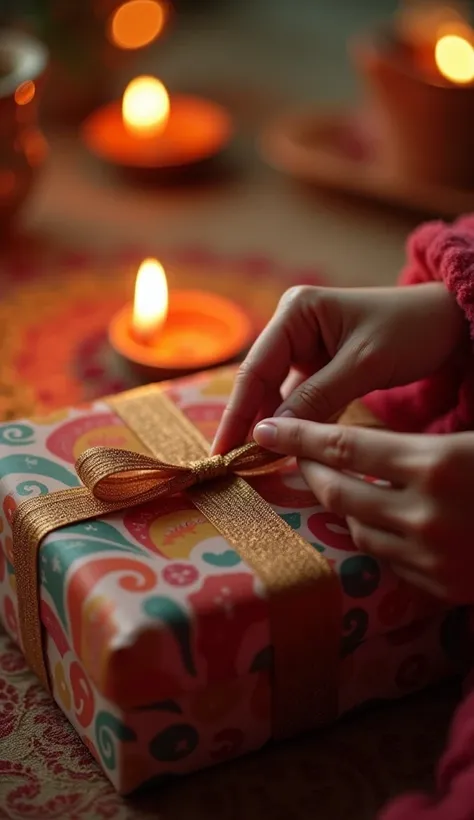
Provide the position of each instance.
(185, 610)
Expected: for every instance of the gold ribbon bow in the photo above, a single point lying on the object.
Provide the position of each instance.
(302, 589)
(124, 477)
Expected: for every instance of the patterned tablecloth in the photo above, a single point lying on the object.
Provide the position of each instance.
(53, 351)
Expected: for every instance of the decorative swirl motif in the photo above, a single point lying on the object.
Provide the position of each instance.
(17, 435)
(107, 727)
(228, 744)
(59, 554)
(82, 694)
(174, 743)
(23, 464)
(31, 488)
(177, 619)
(83, 581)
(54, 629)
(355, 624)
(61, 686)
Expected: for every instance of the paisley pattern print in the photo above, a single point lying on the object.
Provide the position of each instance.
(158, 635)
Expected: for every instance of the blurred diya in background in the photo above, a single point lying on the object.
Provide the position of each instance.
(88, 42)
(165, 334)
(23, 149)
(411, 143)
(150, 129)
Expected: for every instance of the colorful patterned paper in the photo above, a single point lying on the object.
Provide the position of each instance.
(158, 639)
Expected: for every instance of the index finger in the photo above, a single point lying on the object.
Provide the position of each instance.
(261, 374)
(377, 453)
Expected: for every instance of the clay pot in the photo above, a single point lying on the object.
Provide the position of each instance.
(22, 147)
(423, 123)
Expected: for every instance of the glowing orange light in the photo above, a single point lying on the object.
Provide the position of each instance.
(25, 92)
(454, 57)
(145, 106)
(136, 23)
(150, 305)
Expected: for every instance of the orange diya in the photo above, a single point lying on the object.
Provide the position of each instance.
(168, 334)
(149, 129)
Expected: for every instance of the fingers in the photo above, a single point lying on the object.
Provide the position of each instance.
(371, 452)
(287, 340)
(348, 376)
(380, 507)
(388, 546)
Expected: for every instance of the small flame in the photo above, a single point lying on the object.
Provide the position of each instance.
(454, 57)
(136, 23)
(145, 106)
(150, 306)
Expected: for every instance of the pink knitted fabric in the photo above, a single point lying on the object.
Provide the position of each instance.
(443, 403)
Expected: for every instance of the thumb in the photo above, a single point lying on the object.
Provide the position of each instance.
(322, 397)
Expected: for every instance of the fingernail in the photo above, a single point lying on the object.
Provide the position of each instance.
(285, 414)
(265, 434)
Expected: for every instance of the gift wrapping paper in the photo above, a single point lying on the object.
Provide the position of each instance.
(157, 633)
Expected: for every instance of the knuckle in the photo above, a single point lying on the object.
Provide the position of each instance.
(331, 497)
(340, 447)
(360, 537)
(371, 360)
(296, 439)
(423, 522)
(434, 471)
(314, 402)
(296, 295)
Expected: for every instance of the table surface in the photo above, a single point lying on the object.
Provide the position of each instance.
(260, 58)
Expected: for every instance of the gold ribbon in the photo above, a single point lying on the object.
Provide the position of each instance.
(303, 590)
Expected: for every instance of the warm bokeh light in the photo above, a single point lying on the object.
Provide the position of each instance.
(136, 23)
(150, 306)
(25, 92)
(455, 58)
(145, 106)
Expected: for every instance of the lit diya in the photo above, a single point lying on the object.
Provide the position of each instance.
(411, 144)
(164, 334)
(150, 129)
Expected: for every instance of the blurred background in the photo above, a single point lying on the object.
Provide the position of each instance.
(258, 58)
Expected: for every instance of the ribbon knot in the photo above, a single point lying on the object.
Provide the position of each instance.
(209, 468)
(123, 477)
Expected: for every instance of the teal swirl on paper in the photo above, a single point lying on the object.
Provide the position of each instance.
(32, 487)
(108, 730)
(177, 619)
(16, 435)
(23, 464)
(58, 555)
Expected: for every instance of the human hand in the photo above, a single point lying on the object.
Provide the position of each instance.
(326, 347)
(420, 520)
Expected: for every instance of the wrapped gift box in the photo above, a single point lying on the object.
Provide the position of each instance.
(157, 634)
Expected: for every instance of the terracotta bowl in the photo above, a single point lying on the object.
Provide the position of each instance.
(424, 123)
(23, 62)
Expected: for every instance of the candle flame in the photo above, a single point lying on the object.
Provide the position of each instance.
(145, 106)
(454, 57)
(150, 306)
(136, 23)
